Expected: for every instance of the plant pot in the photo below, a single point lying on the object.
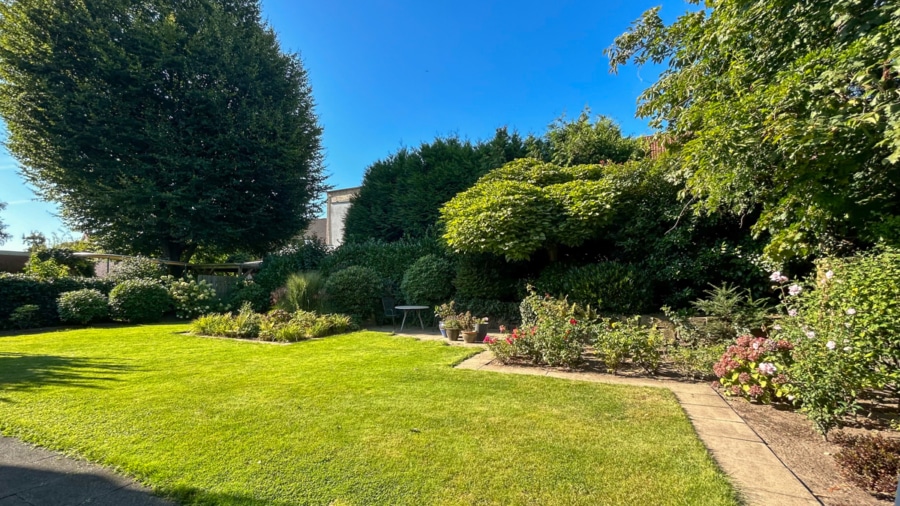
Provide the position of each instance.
(453, 334)
(442, 329)
(482, 330)
(470, 336)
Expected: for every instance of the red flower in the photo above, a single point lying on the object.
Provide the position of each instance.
(573, 321)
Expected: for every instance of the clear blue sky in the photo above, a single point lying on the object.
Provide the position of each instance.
(387, 74)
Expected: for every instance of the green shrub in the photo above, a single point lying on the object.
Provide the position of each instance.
(64, 256)
(695, 362)
(192, 298)
(302, 291)
(18, 290)
(247, 290)
(45, 269)
(428, 281)
(277, 325)
(26, 317)
(617, 341)
(845, 326)
(389, 261)
(732, 312)
(354, 291)
(278, 267)
(136, 268)
(610, 287)
(139, 301)
(872, 462)
(488, 277)
(83, 306)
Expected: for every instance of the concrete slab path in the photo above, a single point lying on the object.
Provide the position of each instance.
(758, 474)
(31, 476)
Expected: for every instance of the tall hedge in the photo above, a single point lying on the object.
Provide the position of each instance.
(18, 290)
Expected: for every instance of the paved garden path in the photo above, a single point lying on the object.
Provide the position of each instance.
(754, 469)
(31, 476)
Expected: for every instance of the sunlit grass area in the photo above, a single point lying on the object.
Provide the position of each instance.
(363, 418)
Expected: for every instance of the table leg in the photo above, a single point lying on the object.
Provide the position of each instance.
(404, 319)
(419, 314)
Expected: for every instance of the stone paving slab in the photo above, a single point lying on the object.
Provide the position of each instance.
(755, 471)
(34, 476)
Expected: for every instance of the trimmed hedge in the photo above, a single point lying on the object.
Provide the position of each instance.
(19, 290)
(429, 281)
(277, 267)
(83, 306)
(354, 291)
(609, 287)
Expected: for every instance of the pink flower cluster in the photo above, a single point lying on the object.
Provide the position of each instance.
(748, 349)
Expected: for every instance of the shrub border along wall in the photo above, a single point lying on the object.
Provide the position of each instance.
(18, 290)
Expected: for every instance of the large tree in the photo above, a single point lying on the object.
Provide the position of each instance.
(785, 109)
(158, 125)
(401, 196)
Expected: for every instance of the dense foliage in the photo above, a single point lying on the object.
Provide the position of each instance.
(789, 109)
(527, 206)
(45, 269)
(872, 462)
(4, 236)
(139, 301)
(18, 290)
(609, 287)
(297, 257)
(580, 142)
(401, 195)
(136, 268)
(428, 281)
(389, 260)
(302, 291)
(83, 306)
(354, 291)
(190, 126)
(192, 298)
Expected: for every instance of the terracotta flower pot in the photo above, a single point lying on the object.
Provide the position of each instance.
(470, 337)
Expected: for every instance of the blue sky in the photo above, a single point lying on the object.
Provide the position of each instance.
(387, 74)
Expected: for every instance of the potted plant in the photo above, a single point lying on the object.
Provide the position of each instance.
(481, 329)
(467, 323)
(452, 326)
(443, 312)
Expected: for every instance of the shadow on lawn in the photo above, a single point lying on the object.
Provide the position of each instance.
(20, 372)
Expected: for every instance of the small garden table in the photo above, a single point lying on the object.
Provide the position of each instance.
(407, 309)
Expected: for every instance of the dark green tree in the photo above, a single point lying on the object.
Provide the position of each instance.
(161, 126)
(401, 196)
(786, 110)
(4, 236)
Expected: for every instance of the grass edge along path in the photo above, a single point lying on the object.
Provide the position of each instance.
(363, 418)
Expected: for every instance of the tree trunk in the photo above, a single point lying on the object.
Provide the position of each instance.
(553, 253)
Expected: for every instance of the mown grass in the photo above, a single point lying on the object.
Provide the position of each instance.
(363, 418)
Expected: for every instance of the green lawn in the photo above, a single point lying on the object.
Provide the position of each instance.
(363, 418)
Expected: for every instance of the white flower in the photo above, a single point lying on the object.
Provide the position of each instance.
(851, 311)
(829, 274)
(777, 277)
(847, 348)
(767, 368)
(830, 345)
(795, 289)
(790, 397)
(792, 312)
(810, 334)
(776, 327)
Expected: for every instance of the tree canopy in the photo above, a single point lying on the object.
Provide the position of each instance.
(401, 195)
(161, 126)
(787, 109)
(526, 206)
(579, 142)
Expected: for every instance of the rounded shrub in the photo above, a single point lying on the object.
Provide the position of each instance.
(139, 301)
(192, 298)
(353, 291)
(136, 268)
(83, 306)
(429, 281)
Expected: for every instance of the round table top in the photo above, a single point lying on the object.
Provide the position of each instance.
(410, 307)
